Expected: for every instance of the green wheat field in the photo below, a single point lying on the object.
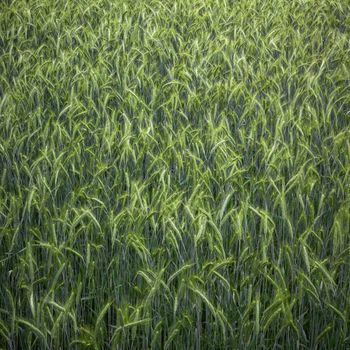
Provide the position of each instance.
(174, 174)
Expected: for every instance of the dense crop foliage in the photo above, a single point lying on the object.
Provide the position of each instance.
(175, 174)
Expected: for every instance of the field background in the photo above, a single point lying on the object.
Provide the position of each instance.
(175, 174)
